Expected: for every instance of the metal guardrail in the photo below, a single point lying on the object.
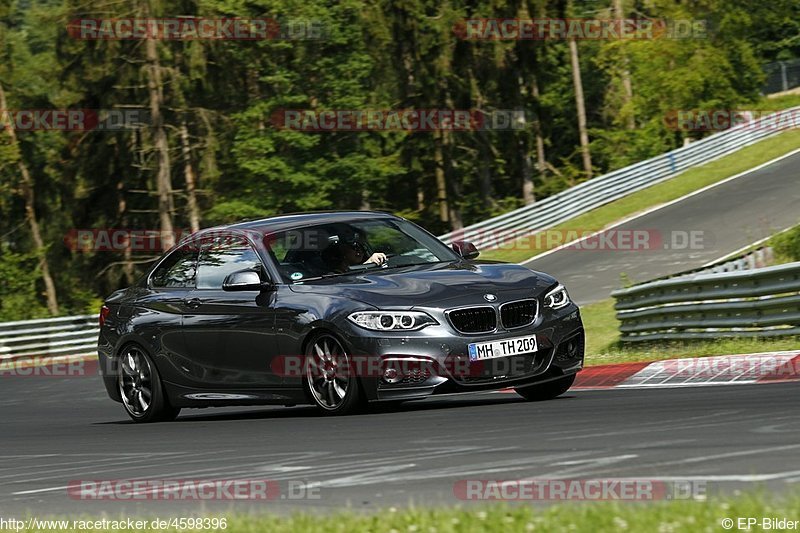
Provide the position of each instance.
(603, 189)
(53, 337)
(756, 258)
(764, 302)
(781, 76)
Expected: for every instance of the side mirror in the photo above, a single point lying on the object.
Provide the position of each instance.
(465, 249)
(243, 280)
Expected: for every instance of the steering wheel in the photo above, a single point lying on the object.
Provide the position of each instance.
(385, 264)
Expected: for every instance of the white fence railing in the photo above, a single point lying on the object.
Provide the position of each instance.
(49, 337)
(596, 192)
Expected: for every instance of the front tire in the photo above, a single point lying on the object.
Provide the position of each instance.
(546, 391)
(330, 380)
(141, 389)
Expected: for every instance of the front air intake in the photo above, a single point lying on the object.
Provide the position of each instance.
(518, 314)
(474, 319)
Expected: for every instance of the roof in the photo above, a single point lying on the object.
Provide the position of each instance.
(295, 220)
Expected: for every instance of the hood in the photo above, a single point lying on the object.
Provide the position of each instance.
(432, 285)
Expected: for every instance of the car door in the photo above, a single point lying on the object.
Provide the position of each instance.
(156, 315)
(230, 334)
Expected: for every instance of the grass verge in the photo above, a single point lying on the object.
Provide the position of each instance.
(672, 516)
(603, 346)
(778, 103)
(696, 178)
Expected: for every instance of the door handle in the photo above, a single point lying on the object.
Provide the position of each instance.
(193, 303)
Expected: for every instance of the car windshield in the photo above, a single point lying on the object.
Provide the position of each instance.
(341, 248)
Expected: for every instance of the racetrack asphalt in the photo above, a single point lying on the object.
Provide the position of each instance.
(58, 430)
(729, 216)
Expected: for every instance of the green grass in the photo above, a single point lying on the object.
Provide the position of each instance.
(603, 346)
(691, 180)
(602, 327)
(775, 104)
(612, 517)
(786, 246)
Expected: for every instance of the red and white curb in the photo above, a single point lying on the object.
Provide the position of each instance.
(769, 367)
(692, 372)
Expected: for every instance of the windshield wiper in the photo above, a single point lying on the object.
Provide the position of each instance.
(366, 267)
(417, 264)
(371, 267)
(323, 276)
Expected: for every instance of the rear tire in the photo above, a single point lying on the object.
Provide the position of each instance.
(140, 386)
(546, 391)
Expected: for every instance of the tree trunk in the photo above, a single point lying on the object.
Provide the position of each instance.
(122, 212)
(441, 182)
(366, 204)
(409, 89)
(209, 156)
(528, 187)
(528, 190)
(484, 170)
(420, 197)
(581, 107)
(484, 147)
(191, 182)
(627, 85)
(485, 178)
(528, 194)
(29, 196)
(456, 222)
(166, 206)
(525, 159)
(541, 159)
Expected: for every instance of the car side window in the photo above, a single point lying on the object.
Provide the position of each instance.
(177, 271)
(222, 257)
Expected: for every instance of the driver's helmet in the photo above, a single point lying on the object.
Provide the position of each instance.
(339, 236)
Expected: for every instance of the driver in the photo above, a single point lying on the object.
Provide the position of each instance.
(342, 254)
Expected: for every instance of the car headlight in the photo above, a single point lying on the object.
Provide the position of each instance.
(557, 298)
(392, 320)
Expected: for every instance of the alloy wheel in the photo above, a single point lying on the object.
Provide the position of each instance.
(327, 372)
(136, 382)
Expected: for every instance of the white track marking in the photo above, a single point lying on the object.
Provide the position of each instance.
(658, 207)
(38, 491)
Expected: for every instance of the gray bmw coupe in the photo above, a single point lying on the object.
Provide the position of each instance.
(332, 309)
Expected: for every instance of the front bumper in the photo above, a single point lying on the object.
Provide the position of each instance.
(439, 361)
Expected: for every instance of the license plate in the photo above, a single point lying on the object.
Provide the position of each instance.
(478, 351)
